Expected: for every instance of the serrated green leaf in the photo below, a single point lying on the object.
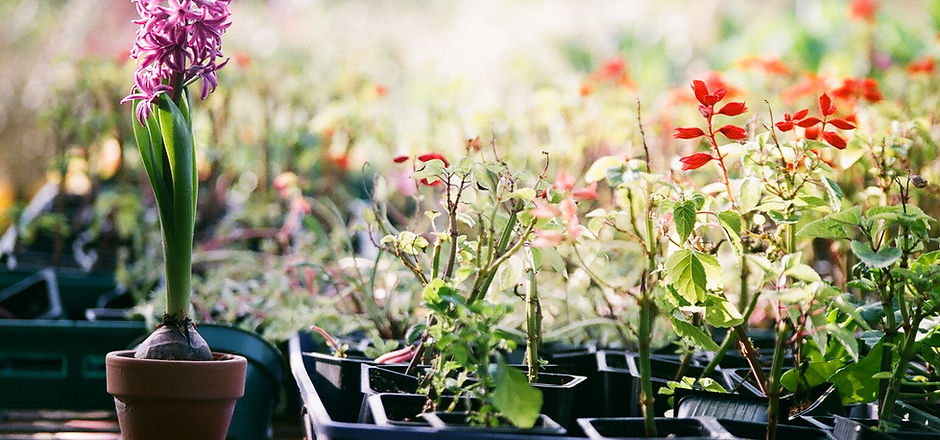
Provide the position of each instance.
(885, 256)
(688, 272)
(693, 335)
(833, 225)
(514, 398)
(683, 215)
(719, 312)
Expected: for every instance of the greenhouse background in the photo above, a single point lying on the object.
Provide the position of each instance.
(383, 181)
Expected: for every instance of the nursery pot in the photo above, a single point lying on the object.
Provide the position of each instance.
(158, 399)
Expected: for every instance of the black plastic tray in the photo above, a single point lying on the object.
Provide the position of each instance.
(320, 426)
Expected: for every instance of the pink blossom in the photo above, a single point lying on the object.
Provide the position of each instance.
(564, 181)
(181, 41)
(547, 238)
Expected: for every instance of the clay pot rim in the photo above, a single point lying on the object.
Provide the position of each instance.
(128, 355)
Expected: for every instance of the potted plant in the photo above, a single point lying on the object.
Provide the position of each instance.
(172, 385)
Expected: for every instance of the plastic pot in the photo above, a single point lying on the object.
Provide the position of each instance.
(389, 409)
(457, 421)
(620, 381)
(696, 403)
(34, 297)
(263, 379)
(630, 428)
(59, 364)
(758, 431)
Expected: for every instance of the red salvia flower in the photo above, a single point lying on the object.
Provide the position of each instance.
(924, 65)
(695, 161)
(814, 128)
(863, 9)
(688, 133)
(866, 89)
(733, 109)
(789, 121)
(825, 105)
(733, 132)
(833, 138)
(431, 156)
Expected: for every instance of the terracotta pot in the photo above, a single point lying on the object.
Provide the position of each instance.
(178, 400)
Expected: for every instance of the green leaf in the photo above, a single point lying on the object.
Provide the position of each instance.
(803, 272)
(684, 216)
(885, 256)
(686, 270)
(834, 193)
(719, 312)
(693, 335)
(523, 194)
(432, 171)
(514, 398)
(854, 381)
(730, 222)
(833, 225)
(178, 241)
(750, 194)
(814, 373)
(600, 168)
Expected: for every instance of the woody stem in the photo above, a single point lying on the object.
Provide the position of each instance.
(721, 162)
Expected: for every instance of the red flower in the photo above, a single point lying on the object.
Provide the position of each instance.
(809, 122)
(789, 121)
(866, 89)
(695, 161)
(564, 181)
(733, 132)
(863, 9)
(924, 65)
(688, 133)
(825, 105)
(833, 138)
(733, 109)
(841, 124)
(587, 193)
(400, 158)
(811, 132)
(431, 156)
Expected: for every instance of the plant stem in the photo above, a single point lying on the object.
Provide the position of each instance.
(773, 388)
(501, 248)
(647, 311)
(752, 356)
(721, 162)
(887, 404)
(533, 320)
(890, 332)
(730, 338)
(178, 267)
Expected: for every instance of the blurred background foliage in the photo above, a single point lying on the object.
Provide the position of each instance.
(332, 90)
